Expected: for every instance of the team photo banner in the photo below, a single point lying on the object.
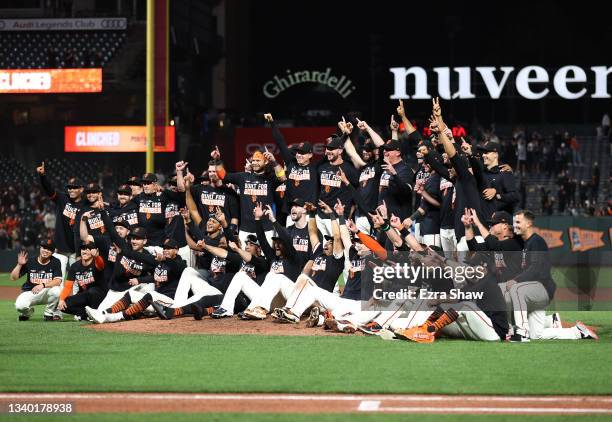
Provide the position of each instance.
(50, 81)
(77, 24)
(113, 139)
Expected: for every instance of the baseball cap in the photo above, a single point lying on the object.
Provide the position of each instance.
(148, 177)
(303, 147)
(92, 187)
(122, 223)
(124, 189)
(392, 145)
(88, 245)
(170, 244)
(47, 244)
(489, 147)
(328, 237)
(133, 181)
(73, 182)
(500, 217)
(139, 232)
(299, 202)
(252, 239)
(335, 143)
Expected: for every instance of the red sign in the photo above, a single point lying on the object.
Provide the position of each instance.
(248, 140)
(49, 81)
(112, 139)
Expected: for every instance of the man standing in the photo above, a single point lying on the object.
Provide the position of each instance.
(67, 206)
(44, 277)
(499, 187)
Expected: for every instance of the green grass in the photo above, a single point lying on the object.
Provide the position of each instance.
(66, 356)
(265, 417)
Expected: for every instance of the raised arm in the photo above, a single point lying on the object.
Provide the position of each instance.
(22, 260)
(83, 232)
(374, 136)
(45, 182)
(313, 232)
(266, 248)
(279, 139)
(191, 205)
(407, 123)
(449, 148)
(115, 238)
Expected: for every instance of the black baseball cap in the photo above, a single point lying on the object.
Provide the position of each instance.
(149, 178)
(326, 237)
(252, 239)
(138, 232)
(124, 189)
(299, 202)
(392, 145)
(133, 181)
(92, 187)
(47, 244)
(303, 147)
(73, 182)
(122, 223)
(335, 143)
(88, 245)
(500, 217)
(489, 147)
(170, 244)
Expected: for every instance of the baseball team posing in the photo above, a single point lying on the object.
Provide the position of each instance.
(276, 239)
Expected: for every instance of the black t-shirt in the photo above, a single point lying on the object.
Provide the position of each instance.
(326, 269)
(302, 181)
(369, 180)
(290, 265)
(126, 268)
(95, 223)
(332, 188)
(254, 188)
(396, 190)
(167, 274)
(535, 264)
(152, 213)
(257, 268)
(299, 239)
(175, 227)
(352, 287)
(87, 276)
(127, 213)
(431, 219)
(38, 273)
(66, 212)
(492, 303)
(207, 197)
(467, 193)
(103, 243)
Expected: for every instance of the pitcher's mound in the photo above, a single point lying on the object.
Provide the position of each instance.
(227, 326)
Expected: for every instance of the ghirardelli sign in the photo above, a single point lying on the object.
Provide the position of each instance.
(531, 82)
(339, 83)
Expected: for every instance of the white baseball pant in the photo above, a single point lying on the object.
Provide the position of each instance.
(272, 285)
(48, 296)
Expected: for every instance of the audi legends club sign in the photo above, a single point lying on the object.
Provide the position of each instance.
(50, 81)
(531, 82)
(115, 139)
(77, 24)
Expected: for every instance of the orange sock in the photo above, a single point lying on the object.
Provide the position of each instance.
(178, 312)
(120, 305)
(447, 318)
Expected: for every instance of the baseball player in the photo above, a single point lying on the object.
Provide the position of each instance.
(124, 209)
(135, 185)
(165, 277)
(67, 206)
(127, 272)
(44, 276)
(533, 288)
(94, 207)
(88, 274)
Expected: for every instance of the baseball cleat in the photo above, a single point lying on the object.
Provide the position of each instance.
(314, 317)
(221, 313)
(285, 315)
(52, 318)
(345, 327)
(24, 318)
(161, 311)
(517, 338)
(556, 320)
(97, 316)
(256, 313)
(370, 328)
(586, 332)
(276, 313)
